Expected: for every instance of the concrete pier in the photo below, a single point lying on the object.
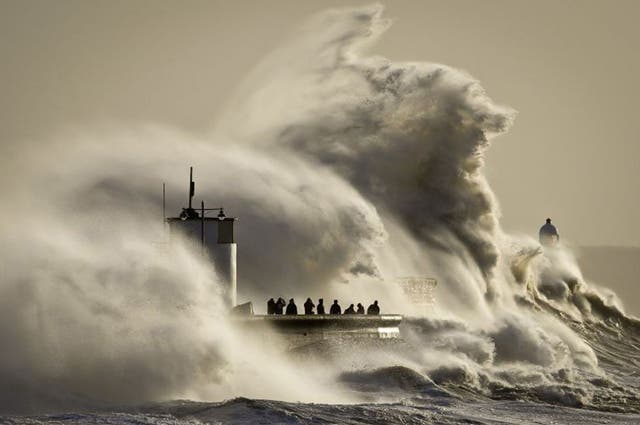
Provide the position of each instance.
(301, 330)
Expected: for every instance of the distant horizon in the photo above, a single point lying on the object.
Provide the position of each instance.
(608, 246)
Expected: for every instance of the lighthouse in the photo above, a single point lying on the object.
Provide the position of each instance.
(549, 234)
(212, 236)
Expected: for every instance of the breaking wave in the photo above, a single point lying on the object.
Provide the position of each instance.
(347, 171)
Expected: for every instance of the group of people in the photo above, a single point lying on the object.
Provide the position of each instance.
(280, 307)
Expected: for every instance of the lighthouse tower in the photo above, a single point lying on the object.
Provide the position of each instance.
(549, 234)
(212, 236)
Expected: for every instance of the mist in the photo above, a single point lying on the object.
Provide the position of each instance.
(346, 171)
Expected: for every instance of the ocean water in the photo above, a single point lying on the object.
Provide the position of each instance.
(401, 395)
(410, 411)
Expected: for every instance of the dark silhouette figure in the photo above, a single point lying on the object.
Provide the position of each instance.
(321, 306)
(350, 310)
(292, 310)
(280, 306)
(308, 306)
(360, 309)
(271, 306)
(335, 308)
(549, 234)
(374, 308)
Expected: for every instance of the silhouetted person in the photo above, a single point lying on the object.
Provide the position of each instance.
(350, 310)
(271, 306)
(321, 306)
(360, 309)
(280, 305)
(335, 308)
(374, 308)
(549, 234)
(308, 306)
(292, 310)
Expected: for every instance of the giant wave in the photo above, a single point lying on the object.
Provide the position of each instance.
(347, 170)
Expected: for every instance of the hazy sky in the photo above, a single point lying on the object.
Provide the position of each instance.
(570, 68)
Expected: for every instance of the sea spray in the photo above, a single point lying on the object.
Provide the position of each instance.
(410, 138)
(346, 171)
(97, 309)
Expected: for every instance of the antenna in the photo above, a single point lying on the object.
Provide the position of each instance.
(192, 186)
(164, 207)
(202, 226)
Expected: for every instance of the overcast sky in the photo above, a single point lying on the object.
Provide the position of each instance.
(570, 68)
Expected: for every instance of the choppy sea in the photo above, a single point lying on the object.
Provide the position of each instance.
(402, 395)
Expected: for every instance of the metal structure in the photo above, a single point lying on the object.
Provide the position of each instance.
(213, 236)
(419, 289)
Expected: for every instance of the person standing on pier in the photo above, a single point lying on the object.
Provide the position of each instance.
(292, 309)
(335, 308)
(374, 308)
(280, 306)
(308, 306)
